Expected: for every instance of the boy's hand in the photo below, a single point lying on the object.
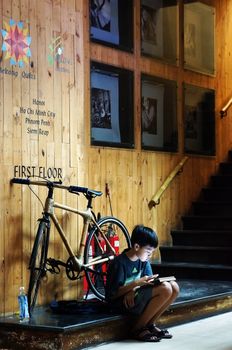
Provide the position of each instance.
(141, 281)
(151, 278)
(145, 280)
(129, 299)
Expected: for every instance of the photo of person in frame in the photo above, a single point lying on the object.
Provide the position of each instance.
(100, 11)
(101, 109)
(191, 122)
(190, 39)
(149, 115)
(149, 22)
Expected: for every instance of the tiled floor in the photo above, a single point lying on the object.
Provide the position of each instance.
(212, 333)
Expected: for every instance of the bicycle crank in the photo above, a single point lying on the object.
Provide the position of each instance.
(72, 270)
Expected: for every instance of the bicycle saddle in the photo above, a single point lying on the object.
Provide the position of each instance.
(85, 190)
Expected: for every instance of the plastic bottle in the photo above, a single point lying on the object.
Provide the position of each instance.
(23, 304)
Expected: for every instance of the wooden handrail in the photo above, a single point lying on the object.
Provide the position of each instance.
(156, 198)
(223, 111)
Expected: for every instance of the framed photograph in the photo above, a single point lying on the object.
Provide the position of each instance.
(152, 27)
(199, 118)
(193, 128)
(152, 114)
(104, 108)
(104, 20)
(199, 37)
(192, 38)
(112, 106)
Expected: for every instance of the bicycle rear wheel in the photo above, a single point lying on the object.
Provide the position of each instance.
(37, 263)
(96, 247)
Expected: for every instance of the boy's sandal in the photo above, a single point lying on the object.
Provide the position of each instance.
(144, 334)
(160, 333)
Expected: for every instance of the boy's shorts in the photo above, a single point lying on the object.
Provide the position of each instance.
(142, 298)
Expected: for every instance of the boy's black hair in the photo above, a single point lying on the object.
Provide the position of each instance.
(143, 235)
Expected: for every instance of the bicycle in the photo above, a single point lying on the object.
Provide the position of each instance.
(101, 240)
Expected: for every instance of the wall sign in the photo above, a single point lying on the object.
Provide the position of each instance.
(16, 43)
(34, 171)
(37, 118)
(56, 55)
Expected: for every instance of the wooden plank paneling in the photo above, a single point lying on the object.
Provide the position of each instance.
(55, 79)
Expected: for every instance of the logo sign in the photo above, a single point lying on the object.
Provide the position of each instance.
(56, 50)
(57, 56)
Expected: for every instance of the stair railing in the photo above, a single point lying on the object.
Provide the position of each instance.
(224, 110)
(177, 170)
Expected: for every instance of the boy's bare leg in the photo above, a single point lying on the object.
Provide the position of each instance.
(175, 292)
(163, 296)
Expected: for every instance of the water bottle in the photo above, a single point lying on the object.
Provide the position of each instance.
(23, 304)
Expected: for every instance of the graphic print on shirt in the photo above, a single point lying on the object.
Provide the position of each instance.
(135, 274)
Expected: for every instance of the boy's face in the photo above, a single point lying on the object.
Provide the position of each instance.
(144, 253)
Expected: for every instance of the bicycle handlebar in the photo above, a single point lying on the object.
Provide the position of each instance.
(20, 181)
(71, 189)
(45, 182)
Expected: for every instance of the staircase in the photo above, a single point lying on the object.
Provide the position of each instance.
(202, 249)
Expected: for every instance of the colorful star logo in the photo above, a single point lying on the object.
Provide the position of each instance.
(16, 43)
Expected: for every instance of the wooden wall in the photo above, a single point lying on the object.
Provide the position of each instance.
(58, 93)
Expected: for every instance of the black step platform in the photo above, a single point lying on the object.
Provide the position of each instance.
(90, 326)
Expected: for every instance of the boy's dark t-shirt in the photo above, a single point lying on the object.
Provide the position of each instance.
(123, 271)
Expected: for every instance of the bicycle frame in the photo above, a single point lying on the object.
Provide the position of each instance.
(88, 217)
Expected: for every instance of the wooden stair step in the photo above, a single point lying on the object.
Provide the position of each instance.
(225, 167)
(206, 255)
(194, 270)
(230, 155)
(223, 194)
(218, 208)
(220, 180)
(211, 238)
(207, 222)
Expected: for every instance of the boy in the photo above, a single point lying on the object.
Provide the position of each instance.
(130, 271)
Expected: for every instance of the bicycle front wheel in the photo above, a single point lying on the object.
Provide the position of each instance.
(96, 248)
(37, 264)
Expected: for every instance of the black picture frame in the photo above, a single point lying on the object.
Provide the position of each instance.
(112, 101)
(199, 120)
(152, 116)
(111, 23)
(159, 130)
